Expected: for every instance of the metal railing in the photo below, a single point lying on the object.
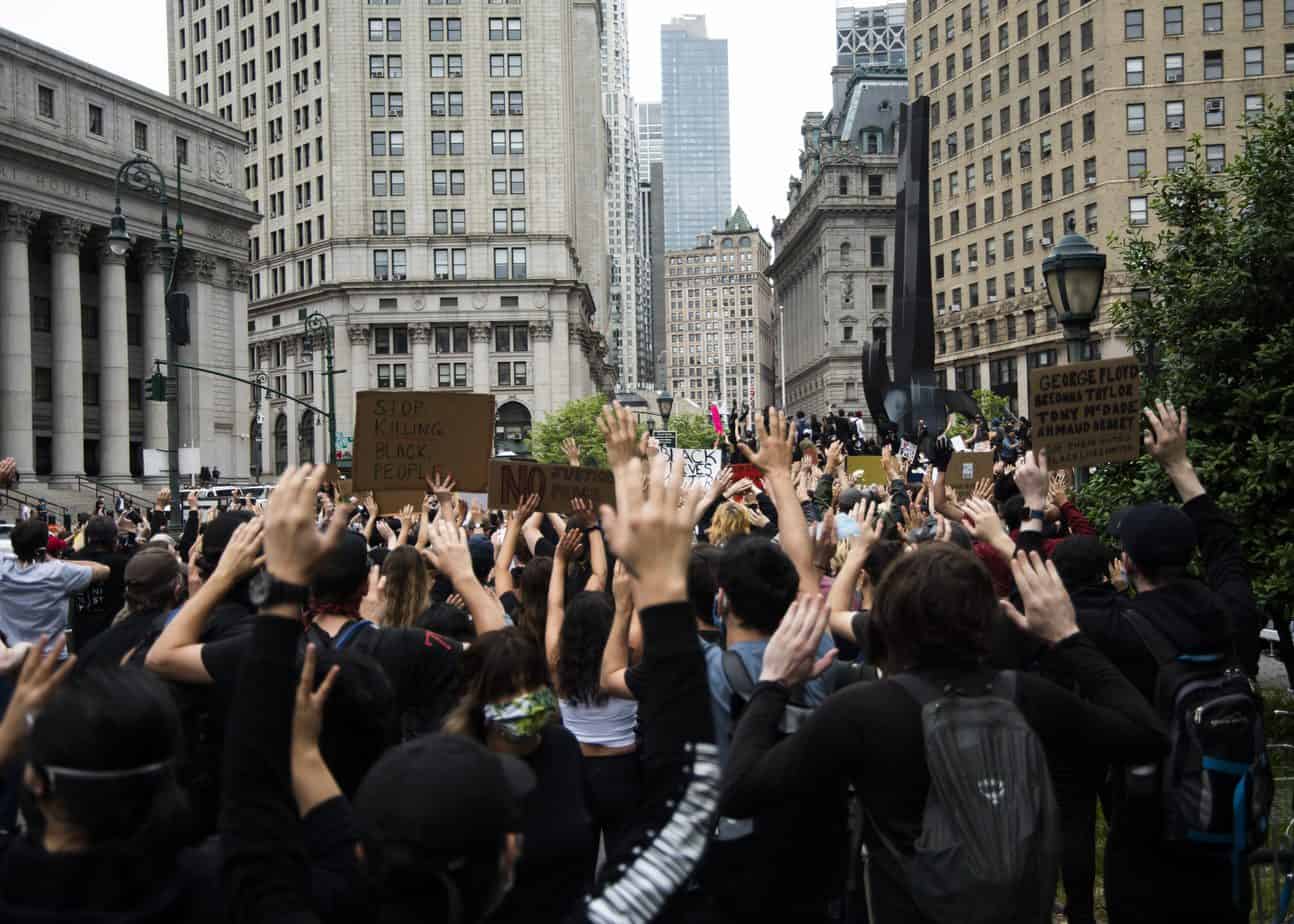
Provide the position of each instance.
(18, 498)
(110, 492)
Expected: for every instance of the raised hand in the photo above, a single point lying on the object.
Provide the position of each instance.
(293, 546)
(1165, 437)
(39, 677)
(192, 501)
(983, 521)
(1031, 478)
(983, 489)
(616, 424)
(384, 530)
(1118, 575)
(582, 516)
(572, 451)
(792, 653)
(242, 555)
(370, 504)
(835, 454)
(1048, 611)
(776, 443)
(442, 486)
(448, 552)
(570, 547)
(622, 587)
(651, 532)
(525, 509)
(373, 604)
(406, 515)
(1058, 488)
(8, 471)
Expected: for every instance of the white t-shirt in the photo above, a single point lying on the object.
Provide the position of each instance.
(34, 597)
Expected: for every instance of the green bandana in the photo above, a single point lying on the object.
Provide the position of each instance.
(524, 716)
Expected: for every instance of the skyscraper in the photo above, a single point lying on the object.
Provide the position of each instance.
(694, 109)
(432, 180)
(871, 33)
(630, 331)
(651, 215)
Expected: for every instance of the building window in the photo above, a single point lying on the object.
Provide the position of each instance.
(1213, 65)
(1136, 117)
(1134, 25)
(1176, 159)
(1137, 210)
(1215, 157)
(381, 265)
(94, 120)
(90, 388)
(1134, 71)
(877, 251)
(141, 135)
(1172, 20)
(45, 101)
(1174, 68)
(1085, 34)
(1136, 163)
(1175, 115)
(1089, 127)
(1253, 107)
(1088, 78)
(391, 340)
(1212, 17)
(1215, 112)
(89, 322)
(1253, 14)
(1254, 62)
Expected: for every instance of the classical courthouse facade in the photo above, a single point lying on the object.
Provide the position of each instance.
(79, 326)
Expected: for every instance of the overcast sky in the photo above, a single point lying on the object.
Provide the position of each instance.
(779, 62)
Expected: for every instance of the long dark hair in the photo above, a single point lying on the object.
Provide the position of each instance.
(497, 665)
(105, 748)
(533, 591)
(585, 628)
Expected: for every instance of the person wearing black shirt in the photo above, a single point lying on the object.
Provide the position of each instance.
(96, 606)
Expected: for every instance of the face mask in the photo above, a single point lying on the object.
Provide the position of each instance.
(523, 717)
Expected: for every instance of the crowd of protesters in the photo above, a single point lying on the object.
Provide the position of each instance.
(716, 704)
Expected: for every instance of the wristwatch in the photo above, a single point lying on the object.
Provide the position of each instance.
(267, 590)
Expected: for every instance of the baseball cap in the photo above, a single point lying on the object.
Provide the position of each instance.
(217, 535)
(807, 445)
(849, 499)
(482, 552)
(1154, 535)
(152, 567)
(443, 794)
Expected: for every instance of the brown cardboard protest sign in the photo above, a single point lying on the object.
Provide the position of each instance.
(1086, 413)
(966, 468)
(871, 467)
(556, 485)
(402, 437)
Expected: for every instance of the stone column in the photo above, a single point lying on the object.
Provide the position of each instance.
(559, 360)
(480, 334)
(359, 337)
(65, 307)
(291, 408)
(541, 336)
(420, 348)
(154, 321)
(17, 438)
(1022, 382)
(237, 276)
(114, 369)
(321, 400)
(267, 419)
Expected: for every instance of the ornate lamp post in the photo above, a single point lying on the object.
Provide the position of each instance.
(318, 326)
(665, 403)
(143, 176)
(1075, 275)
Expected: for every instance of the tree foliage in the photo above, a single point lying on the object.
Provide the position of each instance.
(1217, 335)
(993, 407)
(578, 419)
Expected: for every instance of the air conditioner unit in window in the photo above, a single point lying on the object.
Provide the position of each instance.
(1173, 77)
(1027, 289)
(992, 299)
(398, 276)
(1176, 124)
(1091, 228)
(957, 306)
(1213, 105)
(1089, 181)
(974, 264)
(1046, 242)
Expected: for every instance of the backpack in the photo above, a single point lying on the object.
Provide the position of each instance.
(349, 634)
(989, 846)
(1215, 783)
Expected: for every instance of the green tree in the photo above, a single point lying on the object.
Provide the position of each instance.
(993, 407)
(1216, 335)
(694, 431)
(579, 419)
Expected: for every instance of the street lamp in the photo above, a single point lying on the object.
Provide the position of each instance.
(665, 403)
(1075, 274)
(318, 326)
(143, 176)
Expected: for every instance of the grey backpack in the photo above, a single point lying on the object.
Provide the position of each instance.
(989, 846)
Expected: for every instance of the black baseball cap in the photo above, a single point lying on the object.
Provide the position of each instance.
(442, 794)
(217, 535)
(1155, 535)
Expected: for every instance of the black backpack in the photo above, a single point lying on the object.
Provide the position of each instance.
(990, 845)
(354, 632)
(1215, 784)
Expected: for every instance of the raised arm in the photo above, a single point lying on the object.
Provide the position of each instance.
(774, 460)
(370, 505)
(448, 554)
(615, 656)
(503, 561)
(567, 549)
(840, 601)
(177, 653)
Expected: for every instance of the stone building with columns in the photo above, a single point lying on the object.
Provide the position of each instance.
(79, 326)
(432, 179)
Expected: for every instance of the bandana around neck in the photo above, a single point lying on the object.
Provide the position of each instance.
(522, 717)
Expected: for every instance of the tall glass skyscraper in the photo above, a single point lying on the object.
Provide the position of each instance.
(694, 109)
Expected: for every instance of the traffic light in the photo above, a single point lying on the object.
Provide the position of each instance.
(177, 316)
(157, 387)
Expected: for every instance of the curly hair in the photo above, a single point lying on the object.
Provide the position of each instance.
(585, 628)
(408, 587)
(729, 521)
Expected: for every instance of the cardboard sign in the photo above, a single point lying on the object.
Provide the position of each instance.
(966, 468)
(556, 485)
(402, 437)
(700, 466)
(1086, 413)
(666, 438)
(983, 446)
(907, 451)
(959, 444)
(871, 467)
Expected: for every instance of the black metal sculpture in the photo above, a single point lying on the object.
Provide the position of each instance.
(915, 393)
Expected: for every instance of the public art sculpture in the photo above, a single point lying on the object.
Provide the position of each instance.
(916, 391)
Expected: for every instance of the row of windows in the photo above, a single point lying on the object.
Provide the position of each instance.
(449, 263)
(445, 29)
(448, 221)
(42, 386)
(452, 375)
(391, 67)
(393, 339)
(502, 102)
(1134, 69)
(452, 143)
(46, 108)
